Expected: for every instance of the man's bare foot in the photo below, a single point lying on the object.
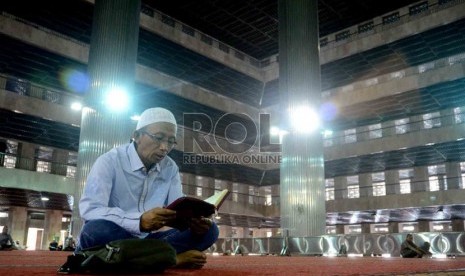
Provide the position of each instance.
(191, 259)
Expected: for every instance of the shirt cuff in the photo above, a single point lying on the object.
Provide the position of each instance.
(131, 223)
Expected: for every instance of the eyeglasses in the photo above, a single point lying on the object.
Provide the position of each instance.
(160, 138)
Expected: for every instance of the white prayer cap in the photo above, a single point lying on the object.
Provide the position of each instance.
(155, 115)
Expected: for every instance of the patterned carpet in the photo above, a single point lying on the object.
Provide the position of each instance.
(15, 263)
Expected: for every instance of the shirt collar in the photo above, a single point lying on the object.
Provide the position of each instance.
(134, 159)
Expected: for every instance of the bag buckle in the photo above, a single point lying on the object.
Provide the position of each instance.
(111, 251)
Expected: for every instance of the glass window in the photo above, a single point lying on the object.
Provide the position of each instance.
(407, 227)
(198, 191)
(330, 230)
(391, 18)
(71, 171)
(10, 161)
(405, 187)
(43, 166)
(353, 179)
(407, 173)
(366, 27)
(343, 35)
(268, 200)
(355, 229)
(377, 177)
(402, 125)
(459, 115)
(350, 136)
(72, 158)
(235, 191)
(252, 194)
(418, 8)
(329, 182)
(375, 131)
(329, 193)
(433, 183)
(441, 226)
(431, 120)
(353, 191)
(327, 138)
(379, 189)
(381, 228)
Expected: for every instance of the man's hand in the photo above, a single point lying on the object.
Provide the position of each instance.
(200, 226)
(156, 218)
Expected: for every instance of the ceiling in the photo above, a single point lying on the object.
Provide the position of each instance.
(35, 199)
(251, 27)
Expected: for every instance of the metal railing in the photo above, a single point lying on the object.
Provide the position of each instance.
(26, 88)
(445, 244)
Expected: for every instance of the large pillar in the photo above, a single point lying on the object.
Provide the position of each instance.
(302, 179)
(17, 219)
(112, 63)
(52, 226)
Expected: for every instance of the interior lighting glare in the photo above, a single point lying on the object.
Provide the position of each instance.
(44, 198)
(135, 117)
(327, 133)
(117, 99)
(304, 120)
(76, 106)
(274, 131)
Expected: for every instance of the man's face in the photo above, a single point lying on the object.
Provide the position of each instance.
(154, 142)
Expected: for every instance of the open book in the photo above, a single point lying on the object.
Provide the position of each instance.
(189, 207)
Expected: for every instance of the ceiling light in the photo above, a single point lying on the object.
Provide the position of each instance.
(117, 99)
(304, 120)
(44, 198)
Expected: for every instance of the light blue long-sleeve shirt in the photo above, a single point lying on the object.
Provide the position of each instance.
(120, 190)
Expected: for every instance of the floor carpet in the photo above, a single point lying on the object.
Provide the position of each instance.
(44, 263)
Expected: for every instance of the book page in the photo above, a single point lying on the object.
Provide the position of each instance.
(218, 198)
